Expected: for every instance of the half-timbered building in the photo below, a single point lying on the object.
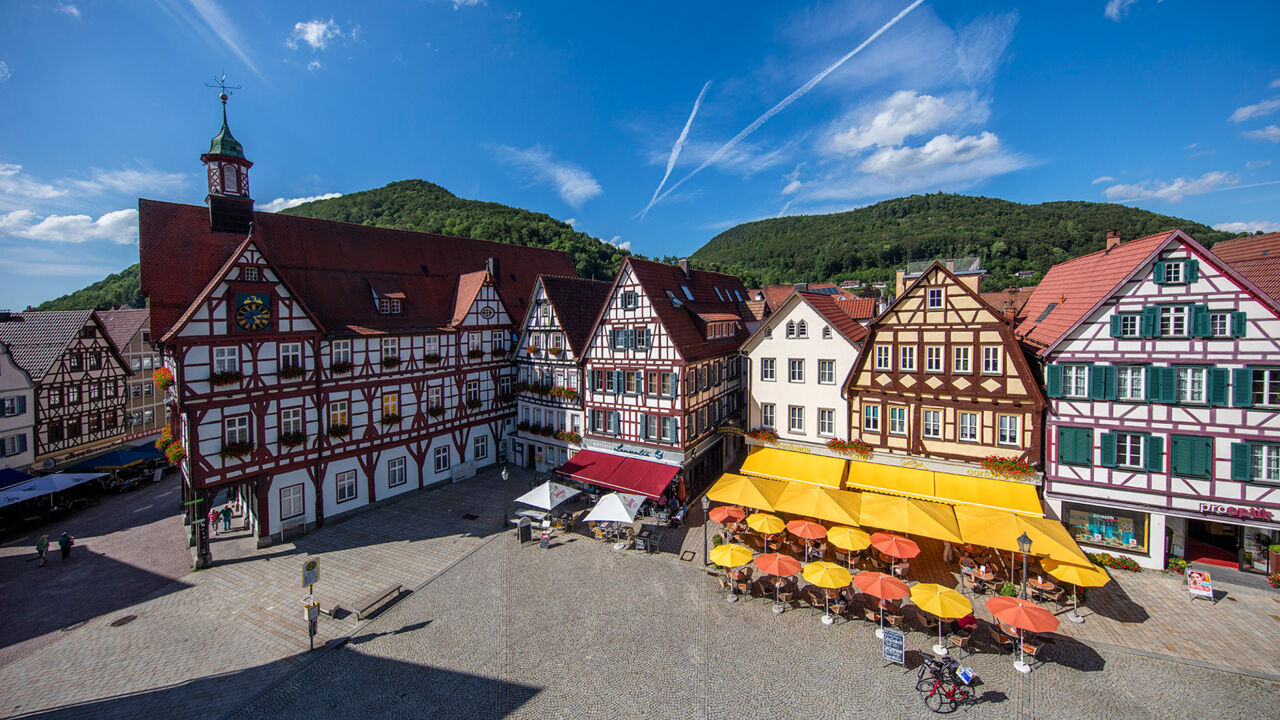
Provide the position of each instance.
(662, 372)
(79, 379)
(1162, 372)
(318, 366)
(145, 410)
(549, 382)
(17, 413)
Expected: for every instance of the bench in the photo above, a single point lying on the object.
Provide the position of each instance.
(365, 605)
(289, 526)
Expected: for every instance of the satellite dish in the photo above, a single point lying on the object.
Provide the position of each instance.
(48, 463)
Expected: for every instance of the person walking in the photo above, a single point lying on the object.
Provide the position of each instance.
(42, 547)
(226, 518)
(65, 542)
(213, 521)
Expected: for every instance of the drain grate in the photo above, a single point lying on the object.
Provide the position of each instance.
(118, 622)
(469, 516)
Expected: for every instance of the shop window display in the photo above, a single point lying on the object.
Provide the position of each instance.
(1107, 527)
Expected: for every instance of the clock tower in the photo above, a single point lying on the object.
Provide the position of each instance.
(230, 207)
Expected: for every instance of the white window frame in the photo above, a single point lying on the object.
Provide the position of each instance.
(967, 426)
(907, 358)
(1075, 381)
(826, 372)
(1129, 450)
(290, 420)
(290, 355)
(440, 458)
(795, 419)
(338, 413)
(992, 363)
(1130, 325)
(897, 420)
(1174, 320)
(871, 418)
(1219, 324)
(226, 359)
(235, 429)
(391, 348)
(933, 358)
(884, 357)
(826, 422)
(1131, 382)
(292, 501)
(795, 370)
(397, 472)
(1174, 271)
(1009, 430)
(934, 299)
(768, 415)
(345, 486)
(341, 351)
(768, 369)
(480, 446)
(1264, 462)
(931, 424)
(1192, 385)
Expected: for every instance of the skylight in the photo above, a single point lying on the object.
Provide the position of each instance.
(1048, 309)
(687, 294)
(674, 300)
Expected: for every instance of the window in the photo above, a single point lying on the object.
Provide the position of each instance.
(1177, 272)
(480, 447)
(1192, 455)
(897, 421)
(250, 274)
(391, 348)
(230, 180)
(791, 328)
(1220, 324)
(472, 390)
(75, 361)
(1075, 446)
(826, 422)
(55, 397)
(94, 363)
(670, 431)
(435, 398)
(795, 370)
(291, 355)
(147, 390)
(148, 416)
(54, 430)
(935, 299)
(932, 423)
(346, 485)
(1190, 384)
(795, 418)
(1127, 325)
(1266, 386)
(291, 421)
(933, 359)
(768, 333)
(1008, 430)
(291, 501)
(441, 457)
(802, 329)
(884, 356)
(1075, 381)
(871, 418)
(136, 364)
(13, 405)
(1129, 450)
(768, 369)
(969, 426)
(235, 430)
(1172, 273)
(1264, 462)
(908, 355)
(390, 404)
(767, 415)
(396, 474)
(226, 359)
(649, 427)
(668, 384)
(629, 300)
(1173, 321)
(1107, 527)
(826, 332)
(337, 412)
(93, 390)
(613, 422)
(341, 351)
(991, 360)
(73, 395)
(1130, 383)
(827, 372)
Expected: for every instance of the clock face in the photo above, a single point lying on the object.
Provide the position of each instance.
(252, 313)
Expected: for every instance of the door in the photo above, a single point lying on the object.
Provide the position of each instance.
(1254, 555)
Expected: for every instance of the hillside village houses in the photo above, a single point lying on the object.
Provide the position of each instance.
(17, 414)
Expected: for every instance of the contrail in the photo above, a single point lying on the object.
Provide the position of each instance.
(790, 99)
(675, 151)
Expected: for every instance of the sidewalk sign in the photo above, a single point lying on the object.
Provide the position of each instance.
(894, 646)
(1199, 583)
(310, 572)
(545, 542)
(524, 531)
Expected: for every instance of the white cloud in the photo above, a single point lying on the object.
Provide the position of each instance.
(215, 18)
(468, 3)
(119, 226)
(1255, 164)
(941, 150)
(1173, 191)
(17, 188)
(617, 242)
(283, 203)
(70, 10)
(1262, 109)
(981, 44)
(1270, 133)
(903, 114)
(1102, 179)
(5, 72)
(791, 187)
(1274, 83)
(1118, 9)
(15, 185)
(571, 222)
(314, 65)
(1248, 227)
(745, 159)
(316, 33)
(574, 184)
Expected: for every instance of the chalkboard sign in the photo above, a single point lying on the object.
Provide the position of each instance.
(894, 647)
(546, 540)
(524, 531)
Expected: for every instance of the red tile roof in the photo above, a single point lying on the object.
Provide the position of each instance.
(1016, 295)
(122, 325)
(1257, 258)
(1074, 287)
(680, 322)
(858, 308)
(469, 285)
(775, 295)
(331, 266)
(758, 308)
(577, 302)
(830, 309)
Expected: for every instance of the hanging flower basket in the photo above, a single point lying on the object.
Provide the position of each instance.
(533, 349)
(473, 403)
(569, 436)
(1007, 466)
(432, 358)
(390, 362)
(764, 434)
(339, 431)
(563, 393)
(235, 450)
(291, 372)
(293, 439)
(390, 418)
(556, 351)
(175, 453)
(163, 378)
(341, 368)
(475, 354)
(226, 377)
(845, 447)
(165, 439)
(435, 411)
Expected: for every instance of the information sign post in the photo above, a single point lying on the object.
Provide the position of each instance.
(895, 646)
(310, 576)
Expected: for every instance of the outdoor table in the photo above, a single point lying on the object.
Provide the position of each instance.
(1041, 585)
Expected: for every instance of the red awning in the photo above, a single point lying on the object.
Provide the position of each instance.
(628, 475)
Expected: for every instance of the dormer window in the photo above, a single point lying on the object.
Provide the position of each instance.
(250, 274)
(674, 300)
(719, 330)
(389, 306)
(718, 295)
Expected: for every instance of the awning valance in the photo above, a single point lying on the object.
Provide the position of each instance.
(924, 484)
(803, 467)
(628, 475)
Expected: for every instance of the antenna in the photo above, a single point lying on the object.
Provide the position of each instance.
(220, 82)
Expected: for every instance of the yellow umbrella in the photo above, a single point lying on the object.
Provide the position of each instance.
(942, 602)
(828, 575)
(819, 502)
(1078, 576)
(765, 523)
(1000, 530)
(847, 538)
(752, 492)
(731, 555)
(908, 515)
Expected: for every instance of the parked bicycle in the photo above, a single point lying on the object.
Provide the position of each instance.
(940, 685)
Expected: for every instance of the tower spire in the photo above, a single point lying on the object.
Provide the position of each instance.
(230, 206)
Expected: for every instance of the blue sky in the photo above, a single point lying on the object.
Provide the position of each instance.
(578, 109)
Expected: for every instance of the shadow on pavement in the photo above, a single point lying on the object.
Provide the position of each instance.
(1111, 601)
(1069, 652)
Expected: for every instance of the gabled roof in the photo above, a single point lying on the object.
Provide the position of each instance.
(1075, 287)
(469, 285)
(757, 308)
(36, 339)
(123, 324)
(775, 295)
(328, 266)
(1018, 296)
(679, 321)
(830, 310)
(1257, 258)
(858, 308)
(577, 302)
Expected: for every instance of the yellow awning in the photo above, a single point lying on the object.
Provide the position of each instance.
(824, 503)
(997, 529)
(987, 492)
(752, 492)
(787, 465)
(892, 479)
(908, 515)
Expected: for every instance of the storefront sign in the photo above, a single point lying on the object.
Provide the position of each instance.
(639, 452)
(664, 456)
(1200, 584)
(1236, 512)
(792, 448)
(730, 430)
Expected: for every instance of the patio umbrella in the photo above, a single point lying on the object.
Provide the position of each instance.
(884, 587)
(847, 538)
(826, 575)
(807, 530)
(825, 503)
(778, 565)
(894, 546)
(909, 515)
(942, 602)
(752, 492)
(730, 555)
(726, 514)
(547, 495)
(616, 507)
(1092, 576)
(766, 524)
(1001, 529)
(1023, 615)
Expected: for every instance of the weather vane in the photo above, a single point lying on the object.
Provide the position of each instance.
(221, 84)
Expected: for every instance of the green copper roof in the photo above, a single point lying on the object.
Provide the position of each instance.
(223, 143)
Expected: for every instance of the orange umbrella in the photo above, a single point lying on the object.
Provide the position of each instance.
(806, 529)
(1023, 615)
(727, 514)
(883, 586)
(894, 545)
(777, 564)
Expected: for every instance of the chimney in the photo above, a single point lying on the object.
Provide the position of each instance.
(1113, 239)
(1010, 309)
(4, 316)
(492, 266)
(684, 267)
(802, 287)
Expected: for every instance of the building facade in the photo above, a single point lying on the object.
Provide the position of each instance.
(145, 410)
(1164, 426)
(17, 414)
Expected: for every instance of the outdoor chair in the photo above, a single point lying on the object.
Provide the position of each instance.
(893, 621)
(1058, 597)
(927, 622)
(972, 584)
(786, 597)
(871, 615)
(1031, 652)
(1003, 643)
(725, 584)
(960, 642)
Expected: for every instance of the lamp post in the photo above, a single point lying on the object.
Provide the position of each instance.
(1024, 547)
(706, 505)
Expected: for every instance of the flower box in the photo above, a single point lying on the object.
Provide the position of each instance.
(568, 436)
(165, 440)
(1274, 580)
(533, 349)
(563, 393)
(845, 447)
(473, 403)
(226, 377)
(506, 398)
(498, 352)
(163, 378)
(1117, 562)
(1176, 565)
(175, 453)
(390, 362)
(390, 418)
(556, 351)
(293, 439)
(339, 430)
(235, 450)
(432, 358)
(1007, 466)
(546, 431)
(523, 426)
(435, 411)
(764, 434)
(341, 368)
(475, 354)
(291, 372)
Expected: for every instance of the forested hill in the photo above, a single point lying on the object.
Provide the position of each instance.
(112, 291)
(869, 243)
(426, 207)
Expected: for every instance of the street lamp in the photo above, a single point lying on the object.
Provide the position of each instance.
(706, 505)
(1024, 547)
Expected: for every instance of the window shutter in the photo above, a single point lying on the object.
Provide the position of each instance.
(1239, 321)
(1153, 452)
(1191, 270)
(1150, 322)
(1200, 321)
(1218, 379)
(1107, 444)
(1109, 389)
(1066, 445)
(22, 405)
(1115, 325)
(1152, 385)
(1240, 469)
(1098, 386)
(1202, 457)
(1178, 455)
(617, 382)
(1241, 387)
(1160, 272)
(1053, 379)
(644, 427)
(1168, 385)
(675, 384)
(613, 337)
(22, 442)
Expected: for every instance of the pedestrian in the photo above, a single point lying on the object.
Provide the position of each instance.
(42, 547)
(946, 551)
(226, 518)
(65, 542)
(213, 521)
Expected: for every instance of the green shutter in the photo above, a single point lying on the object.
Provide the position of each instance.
(1242, 387)
(1053, 380)
(1153, 452)
(1240, 469)
(1115, 325)
(1218, 381)
(1200, 321)
(1150, 322)
(1168, 385)
(1160, 272)
(1179, 457)
(1107, 445)
(1152, 385)
(1239, 321)
(1191, 270)
(1109, 384)
(1097, 382)
(1202, 457)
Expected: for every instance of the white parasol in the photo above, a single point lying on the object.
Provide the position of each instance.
(616, 507)
(547, 495)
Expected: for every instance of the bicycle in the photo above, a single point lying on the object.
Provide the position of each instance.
(942, 687)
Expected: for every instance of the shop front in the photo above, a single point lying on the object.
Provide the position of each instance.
(1233, 537)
